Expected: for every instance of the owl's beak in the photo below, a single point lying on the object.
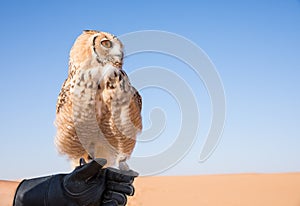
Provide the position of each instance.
(118, 60)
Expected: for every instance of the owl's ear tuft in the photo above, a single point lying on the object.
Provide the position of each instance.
(90, 31)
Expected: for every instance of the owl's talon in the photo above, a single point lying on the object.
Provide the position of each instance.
(82, 162)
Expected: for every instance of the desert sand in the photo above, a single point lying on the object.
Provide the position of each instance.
(218, 190)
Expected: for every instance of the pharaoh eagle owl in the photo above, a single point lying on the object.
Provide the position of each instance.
(98, 113)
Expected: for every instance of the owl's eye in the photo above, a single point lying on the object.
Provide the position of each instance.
(106, 43)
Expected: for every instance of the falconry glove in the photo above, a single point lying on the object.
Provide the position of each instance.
(118, 185)
(88, 184)
(84, 186)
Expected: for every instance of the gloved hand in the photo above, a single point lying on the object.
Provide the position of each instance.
(84, 186)
(118, 185)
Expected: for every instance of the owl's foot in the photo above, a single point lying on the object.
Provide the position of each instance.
(120, 165)
(123, 166)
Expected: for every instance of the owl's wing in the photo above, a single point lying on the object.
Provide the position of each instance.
(135, 109)
(119, 112)
(66, 139)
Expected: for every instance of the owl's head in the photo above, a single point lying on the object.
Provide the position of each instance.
(92, 48)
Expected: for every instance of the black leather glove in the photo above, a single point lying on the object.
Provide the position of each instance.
(118, 185)
(84, 186)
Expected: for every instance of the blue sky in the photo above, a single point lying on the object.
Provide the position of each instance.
(254, 45)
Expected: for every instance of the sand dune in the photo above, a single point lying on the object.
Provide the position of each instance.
(218, 190)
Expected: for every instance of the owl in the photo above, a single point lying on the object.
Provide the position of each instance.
(98, 112)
